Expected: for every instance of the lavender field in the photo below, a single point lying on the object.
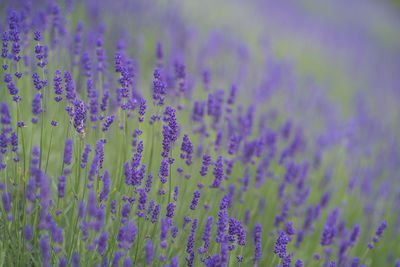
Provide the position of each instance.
(200, 133)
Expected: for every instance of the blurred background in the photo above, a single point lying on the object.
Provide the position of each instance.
(331, 66)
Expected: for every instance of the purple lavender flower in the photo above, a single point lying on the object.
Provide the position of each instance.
(36, 104)
(164, 228)
(106, 187)
(127, 262)
(170, 210)
(85, 155)
(68, 151)
(117, 257)
(257, 242)
(58, 90)
(156, 211)
(80, 111)
(281, 245)
(126, 235)
(149, 252)
(330, 230)
(176, 193)
(6, 202)
(126, 209)
(61, 186)
(28, 232)
(45, 249)
(190, 243)
(174, 262)
(206, 163)
(381, 228)
(63, 262)
(187, 150)
(354, 234)
(218, 173)
(107, 123)
(70, 93)
(5, 114)
(164, 171)
(298, 263)
(221, 225)
(195, 200)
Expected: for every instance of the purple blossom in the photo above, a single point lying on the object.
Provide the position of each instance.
(195, 200)
(68, 151)
(381, 228)
(257, 242)
(126, 235)
(58, 90)
(206, 163)
(85, 155)
(218, 173)
(221, 225)
(149, 252)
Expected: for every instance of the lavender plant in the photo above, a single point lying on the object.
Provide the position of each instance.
(109, 161)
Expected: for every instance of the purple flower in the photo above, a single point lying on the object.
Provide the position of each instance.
(80, 111)
(195, 200)
(159, 87)
(28, 232)
(164, 171)
(63, 262)
(58, 90)
(76, 260)
(218, 173)
(281, 245)
(107, 123)
(155, 213)
(298, 263)
(232, 95)
(6, 202)
(127, 262)
(355, 261)
(206, 163)
(257, 242)
(85, 155)
(126, 235)
(190, 243)
(164, 228)
(330, 230)
(126, 209)
(354, 234)
(45, 249)
(5, 114)
(187, 150)
(234, 144)
(104, 100)
(149, 252)
(37, 36)
(70, 93)
(381, 228)
(68, 151)
(36, 104)
(221, 225)
(159, 50)
(87, 64)
(142, 109)
(174, 262)
(61, 186)
(81, 209)
(170, 210)
(106, 187)
(117, 257)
